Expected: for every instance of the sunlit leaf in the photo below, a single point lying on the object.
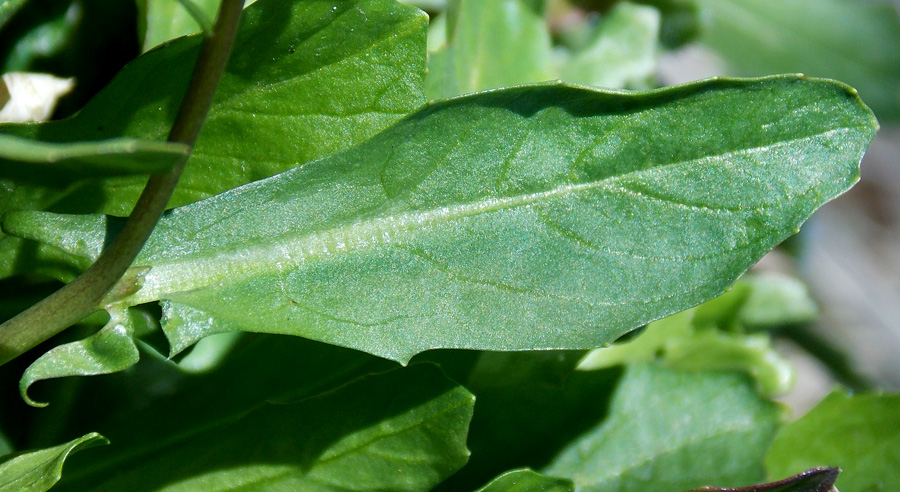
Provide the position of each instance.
(162, 20)
(860, 433)
(519, 215)
(672, 430)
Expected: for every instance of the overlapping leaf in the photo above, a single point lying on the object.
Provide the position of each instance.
(855, 42)
(670, 430)
(859, 433)
(527, 481)
(334, 74)
(39, 470)
(535, 217)
(404, 430)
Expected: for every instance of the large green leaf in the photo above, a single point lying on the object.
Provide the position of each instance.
(853, 41)
(491, 43)
(335, 73)
(37, 471)
(527, 481)
(673, 431)
(402, 431)
(861, 434)
(515, 219)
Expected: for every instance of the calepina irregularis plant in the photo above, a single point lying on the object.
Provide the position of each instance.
(440, 269)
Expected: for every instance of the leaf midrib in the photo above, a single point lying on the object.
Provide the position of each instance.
(197, 271)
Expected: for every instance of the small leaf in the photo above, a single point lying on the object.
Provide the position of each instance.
(82, 159)
(669, 430)
(8, 8)
(404, 430)
(111, 349)
(623, 52)
(491, 44)
(527, 481)
(37, 471)
(861, 433)
(815, 480)
(519, 215)
(164, 20)
(852, 41)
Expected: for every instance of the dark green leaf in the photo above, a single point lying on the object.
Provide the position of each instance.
(37, 471)
(672, 431)
(861, 434)
(852, 41)
(82, 159)
(815, 480)
(527, 481)
(402, 431)
(8, 8)
(517, 214)
(491, 43)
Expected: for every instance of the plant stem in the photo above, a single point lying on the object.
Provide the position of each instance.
(82, 296)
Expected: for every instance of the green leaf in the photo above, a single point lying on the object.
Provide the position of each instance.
(622, 53)
(670, 430)
(517, 214)
(714, 334)
(527, 481)
(163, 20)
(491, 43)
(404, 430)
(37, 471)
(852, 41)
(265, 118)
(815, 480)
(8, 8)
(112, 349)
(81, 159)
(859, 433)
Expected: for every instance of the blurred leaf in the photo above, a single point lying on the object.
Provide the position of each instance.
(42, 34)
(852, 41)
(403, 430)
(681, 21)
(491, 43)
(622, 53)
(527, 481)
(516, 213)
(815, 480)
(670, 430)
(776, 301)
(162, 20)
(77, 160)
(111, 349)
(37, 471)
(8, 8)
(860, 433)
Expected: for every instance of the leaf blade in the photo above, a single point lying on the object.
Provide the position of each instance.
(40, 470)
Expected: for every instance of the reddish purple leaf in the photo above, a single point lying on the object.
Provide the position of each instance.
(815, 480)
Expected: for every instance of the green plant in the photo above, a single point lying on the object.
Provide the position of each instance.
(447, 265)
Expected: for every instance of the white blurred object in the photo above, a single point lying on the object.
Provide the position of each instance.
(32, 96)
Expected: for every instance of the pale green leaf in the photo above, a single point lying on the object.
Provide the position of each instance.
(775, 301)
(111, 349)
(815, 480)
(163, 20)
(527, 481)
(520, 215)
(490, 44)
(308, 99)
(37, 471)
(852, 41)
(860, 433)
(670, 430)
(622, 53)
(82, 159)
(401, 431)
(713, 336)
